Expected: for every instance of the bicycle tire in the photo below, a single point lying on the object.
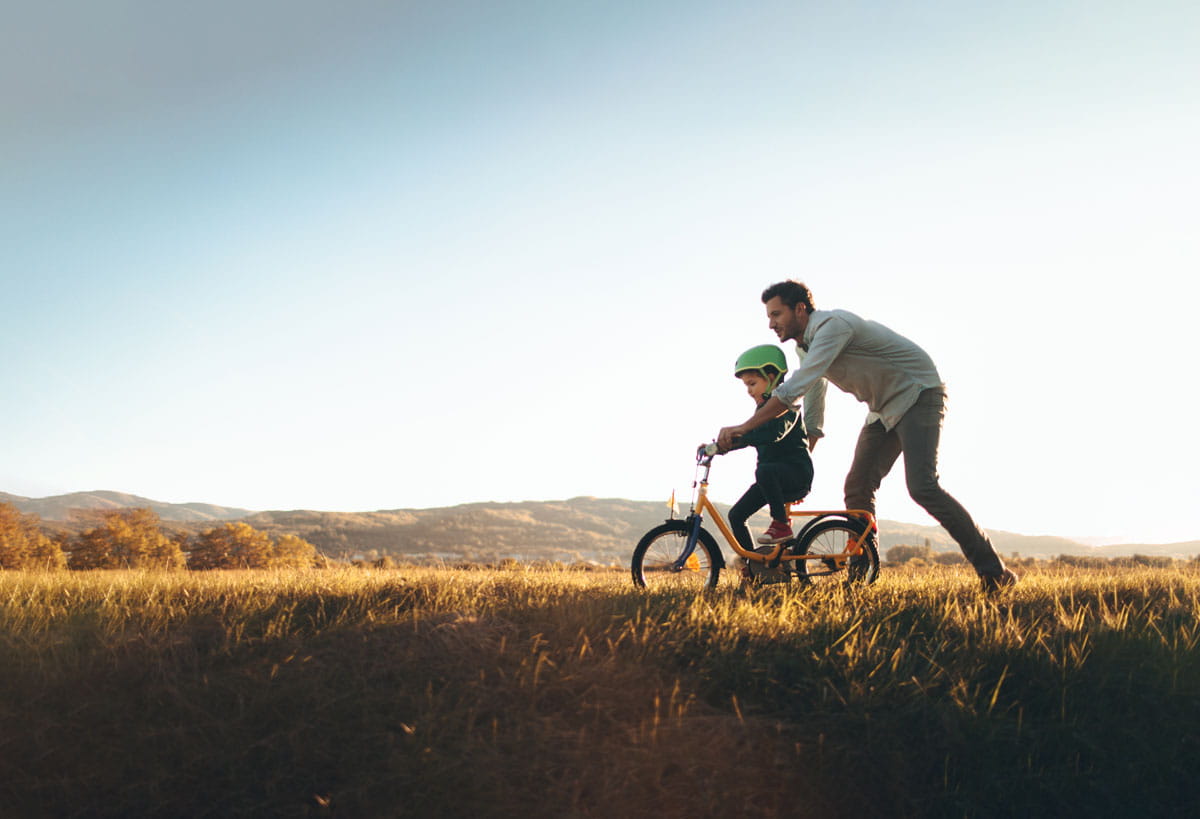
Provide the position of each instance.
(658, 550)
(831, 536)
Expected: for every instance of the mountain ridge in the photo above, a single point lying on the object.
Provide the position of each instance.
(60, 507)
(580, 528)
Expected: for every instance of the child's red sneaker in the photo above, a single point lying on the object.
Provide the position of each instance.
(777, 532)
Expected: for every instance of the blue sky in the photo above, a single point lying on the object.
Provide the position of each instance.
(373, 255)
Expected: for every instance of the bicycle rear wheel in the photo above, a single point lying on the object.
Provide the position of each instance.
(829, 538)
(657, 553)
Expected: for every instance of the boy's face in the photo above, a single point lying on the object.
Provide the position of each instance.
(756, 385)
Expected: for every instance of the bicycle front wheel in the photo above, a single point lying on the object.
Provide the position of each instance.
(829, 539)
(656, 563)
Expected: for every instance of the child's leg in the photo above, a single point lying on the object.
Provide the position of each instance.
(781, 484)
(741, 511)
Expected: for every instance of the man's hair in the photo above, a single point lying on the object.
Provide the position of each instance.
(790, 293)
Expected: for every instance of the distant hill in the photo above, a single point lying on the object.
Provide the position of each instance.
(603, 530)
(64, 507)
(586, 528)
(578, 529)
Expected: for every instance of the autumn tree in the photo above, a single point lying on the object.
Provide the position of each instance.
(126, 539)
(241, 546)
(231, 546)
(22, 544)
(292, 552)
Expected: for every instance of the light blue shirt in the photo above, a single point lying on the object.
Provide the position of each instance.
(876, 365)
(814, 402)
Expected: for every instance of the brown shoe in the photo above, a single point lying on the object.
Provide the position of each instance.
(993, 583)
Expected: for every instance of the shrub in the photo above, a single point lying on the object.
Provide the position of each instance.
(241, 546)
(22, 544)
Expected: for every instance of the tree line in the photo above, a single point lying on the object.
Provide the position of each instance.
(134, 539)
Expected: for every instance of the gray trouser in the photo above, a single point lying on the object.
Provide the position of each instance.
(917, 435)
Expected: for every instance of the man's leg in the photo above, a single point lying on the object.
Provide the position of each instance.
(876, 451)
(920, 433)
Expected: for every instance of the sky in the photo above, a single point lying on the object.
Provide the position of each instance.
(286, 254)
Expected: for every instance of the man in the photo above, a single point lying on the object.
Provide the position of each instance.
(900, 385)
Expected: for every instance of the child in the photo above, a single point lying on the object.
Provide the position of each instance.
(785, 470)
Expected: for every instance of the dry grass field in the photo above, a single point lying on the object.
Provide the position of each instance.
(437, 692)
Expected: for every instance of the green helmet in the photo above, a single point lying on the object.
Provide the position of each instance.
(759, 359)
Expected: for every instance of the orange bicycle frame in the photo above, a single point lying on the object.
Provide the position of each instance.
(776, 556)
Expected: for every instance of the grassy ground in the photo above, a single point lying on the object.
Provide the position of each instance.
(421, 692)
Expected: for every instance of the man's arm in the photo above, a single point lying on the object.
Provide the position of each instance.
(771, 408)
(828, 341)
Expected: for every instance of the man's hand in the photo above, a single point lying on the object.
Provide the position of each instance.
(726, 435)
(812, 442)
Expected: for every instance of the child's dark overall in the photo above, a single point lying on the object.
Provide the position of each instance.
(784, 473)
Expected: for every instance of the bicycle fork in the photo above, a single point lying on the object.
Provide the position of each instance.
(687, 558)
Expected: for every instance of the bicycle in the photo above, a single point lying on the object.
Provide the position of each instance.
(835, 545)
